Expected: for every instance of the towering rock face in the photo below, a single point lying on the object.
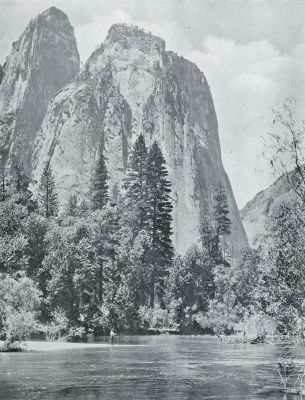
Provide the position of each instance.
(131, 85)
(43, 59)
(256, 212)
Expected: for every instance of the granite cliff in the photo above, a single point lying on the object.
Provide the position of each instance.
(41, 61)
(131, 84)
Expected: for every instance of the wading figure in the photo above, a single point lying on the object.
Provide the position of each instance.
(111, 336)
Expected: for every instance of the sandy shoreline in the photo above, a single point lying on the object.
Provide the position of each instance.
(54, 346)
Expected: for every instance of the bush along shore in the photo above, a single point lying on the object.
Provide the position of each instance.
(11, 347)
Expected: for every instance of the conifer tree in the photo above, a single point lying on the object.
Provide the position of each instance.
(207, 234)
(47, 195)
(20, 188)
(221, 212)
(21, 179)
(159, 208)
(136, 169)
(115, 194)
(72, 205)
(99, 199)
(83, 208)
(221, 220)
(133, 237)
(3, 186)
(134, 183)
(99, 185)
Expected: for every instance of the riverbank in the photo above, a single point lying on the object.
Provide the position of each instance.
(46, 346)
(56, 346)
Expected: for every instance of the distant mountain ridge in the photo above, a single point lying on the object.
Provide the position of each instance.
(130, 85)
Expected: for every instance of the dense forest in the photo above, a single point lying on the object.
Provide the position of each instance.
(108, 262)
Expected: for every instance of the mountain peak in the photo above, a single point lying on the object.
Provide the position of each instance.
(131, 36)
(53, 18)
(54, 12)
(41, 62)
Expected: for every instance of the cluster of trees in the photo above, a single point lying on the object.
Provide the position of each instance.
(267, 285)
(108, 261)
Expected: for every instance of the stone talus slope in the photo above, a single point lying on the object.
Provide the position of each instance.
(41, 62)
(130, 85)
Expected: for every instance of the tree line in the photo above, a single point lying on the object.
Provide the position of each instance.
(108, 261)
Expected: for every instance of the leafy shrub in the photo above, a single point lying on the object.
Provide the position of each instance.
(57, 329)
(256, 325)
(219, 318)
(19, 299)
(160, 318)
(145, 317)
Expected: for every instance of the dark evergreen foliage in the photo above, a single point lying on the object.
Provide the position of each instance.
(159, 218)
(21, 180)
(135, 183)
(47, 195)
(221, 213)
(3, 186)
(222, 224)
(207, 235)
(71, 208)
(99, 185)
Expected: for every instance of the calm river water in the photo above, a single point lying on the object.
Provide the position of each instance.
(159, 367)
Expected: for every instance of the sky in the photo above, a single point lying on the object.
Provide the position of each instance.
(252, 53)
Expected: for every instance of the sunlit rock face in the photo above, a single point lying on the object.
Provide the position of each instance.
(41, 62)
(131, 85)
(256, 212)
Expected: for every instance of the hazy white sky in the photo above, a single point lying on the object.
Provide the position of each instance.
(251, 51)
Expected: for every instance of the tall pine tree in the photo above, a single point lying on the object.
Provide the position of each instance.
(222, 222)
(20, 188)
(207, 234)
(135, 184)
(133, 236)
(99, 185)
(99, 199)
(3, 185)
(47, 195)
(21, 179)
(159, 208)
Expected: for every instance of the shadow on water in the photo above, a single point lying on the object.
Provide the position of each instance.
(156, 367)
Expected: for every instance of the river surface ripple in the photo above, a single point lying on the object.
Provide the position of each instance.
(152, 367)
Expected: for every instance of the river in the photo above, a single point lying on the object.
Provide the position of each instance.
(153, 367)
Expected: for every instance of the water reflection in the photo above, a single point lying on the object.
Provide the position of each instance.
(291, 368)
(164, 367)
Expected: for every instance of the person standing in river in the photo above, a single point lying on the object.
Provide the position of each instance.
(111, 336)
